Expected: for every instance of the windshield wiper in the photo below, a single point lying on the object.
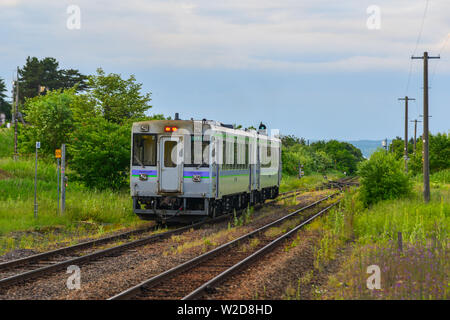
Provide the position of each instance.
(139, 161)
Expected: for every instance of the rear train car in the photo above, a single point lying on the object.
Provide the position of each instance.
(184, 170)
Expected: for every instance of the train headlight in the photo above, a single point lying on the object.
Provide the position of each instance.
(143, 177)
(196, 178)
(170, 129)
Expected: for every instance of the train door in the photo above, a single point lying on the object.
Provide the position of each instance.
(171, 164)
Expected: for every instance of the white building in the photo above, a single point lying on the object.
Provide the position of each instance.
(2, 119)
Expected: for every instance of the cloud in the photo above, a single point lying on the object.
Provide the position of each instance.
(257, 34)
(9, 3)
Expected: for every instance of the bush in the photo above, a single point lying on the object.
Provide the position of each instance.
(382, 177)
(344, 156)
(100, 152)
(6, 142)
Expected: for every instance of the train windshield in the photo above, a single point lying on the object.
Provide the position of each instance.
(144, 150)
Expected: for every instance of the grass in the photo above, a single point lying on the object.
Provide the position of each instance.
(289, 183)
(420, 271)
(88, 212)
(6, 142)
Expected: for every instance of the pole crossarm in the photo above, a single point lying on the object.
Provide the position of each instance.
(412, 57)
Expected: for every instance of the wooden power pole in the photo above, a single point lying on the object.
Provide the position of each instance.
(16, 115)
(406, 130)
(415, 133)
(426, 163)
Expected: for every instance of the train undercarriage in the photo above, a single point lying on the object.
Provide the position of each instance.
(166, 208)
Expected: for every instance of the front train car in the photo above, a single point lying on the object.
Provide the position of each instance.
(184, 170)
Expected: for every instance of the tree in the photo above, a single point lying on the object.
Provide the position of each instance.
(117, 99)
(291, 140)
(382, 177)
(46, 73)
(5, 107)
(345, 156)
(72, 78)
(397, 147)
(439, 154)
(49, 119)
(100, 152)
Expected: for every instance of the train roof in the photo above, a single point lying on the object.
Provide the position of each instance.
(215, 125)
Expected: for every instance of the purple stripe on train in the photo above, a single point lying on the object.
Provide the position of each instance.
(148, 172)
(198, 173)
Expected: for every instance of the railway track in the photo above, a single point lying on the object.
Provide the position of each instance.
(339, 184)
(20, 270)
(192, 279)
(34, 265)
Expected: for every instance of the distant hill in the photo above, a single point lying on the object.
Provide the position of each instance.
(367, 147)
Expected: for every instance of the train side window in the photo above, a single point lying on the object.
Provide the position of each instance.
(229, 159)
(199, 156)
(241, 153)
(235, 158)
(224, 153)
(264, 154)
(246, 151)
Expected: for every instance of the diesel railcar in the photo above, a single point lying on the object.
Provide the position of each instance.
(183, 170)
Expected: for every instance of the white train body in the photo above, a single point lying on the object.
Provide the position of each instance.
(184, 169)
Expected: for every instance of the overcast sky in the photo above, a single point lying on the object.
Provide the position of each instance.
(310, 68)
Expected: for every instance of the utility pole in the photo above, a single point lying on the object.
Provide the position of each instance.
(415, 133)
(63, 178)
(426, 163)
(406, 99)
(58, 168)
(38, 146)
(16, 115)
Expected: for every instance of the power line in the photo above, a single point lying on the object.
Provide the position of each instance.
(419, 37)
(421, 27)
(437, 63)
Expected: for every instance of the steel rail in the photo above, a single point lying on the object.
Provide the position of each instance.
(64, 250)
(102, 253)
(250, 259)
(206, 256)
(84, 245)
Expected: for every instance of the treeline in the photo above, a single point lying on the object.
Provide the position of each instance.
(439, 152)
(37, 77)
(91, 114)
(383, 176)
(320, 156)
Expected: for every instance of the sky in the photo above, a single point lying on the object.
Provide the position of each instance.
(315, 69)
